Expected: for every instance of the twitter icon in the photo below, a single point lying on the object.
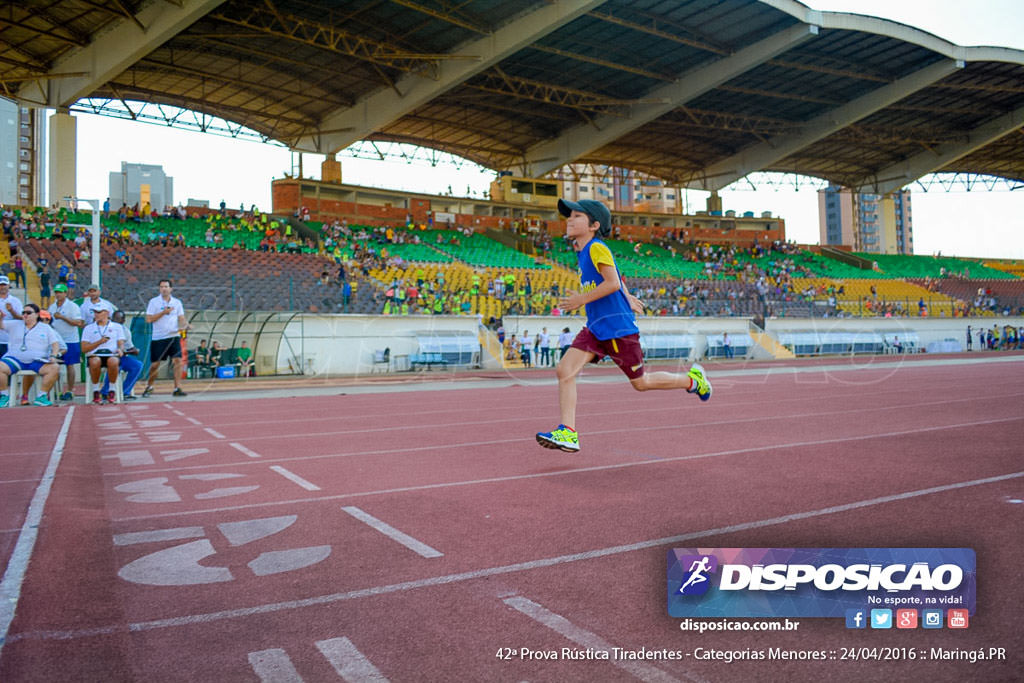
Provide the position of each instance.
(881, 618)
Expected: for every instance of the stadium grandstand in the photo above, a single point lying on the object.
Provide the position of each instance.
(698, 97)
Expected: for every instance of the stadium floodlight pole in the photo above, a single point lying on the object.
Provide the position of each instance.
(94, 257)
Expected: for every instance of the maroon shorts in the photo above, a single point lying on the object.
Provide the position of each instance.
(625, 351)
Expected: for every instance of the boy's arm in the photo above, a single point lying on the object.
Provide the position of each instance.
(634, 303)
(609, 285)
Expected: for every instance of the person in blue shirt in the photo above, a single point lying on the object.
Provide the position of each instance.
(611, 328)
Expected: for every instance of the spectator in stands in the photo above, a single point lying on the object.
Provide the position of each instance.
(10, 309)
(512, 347)
(167, 315)
(201, 355)
(18, 271)
(543, 341)
(130, 362)
(44, 286)
(214, 357)
(246, 365)
(67, 322)
(564, 342)
(611, 323)
(92, 301)
(35, 349)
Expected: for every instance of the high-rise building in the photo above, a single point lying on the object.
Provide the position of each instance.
(141, 183)
(620, 189)
(866, 222)
(22, 150)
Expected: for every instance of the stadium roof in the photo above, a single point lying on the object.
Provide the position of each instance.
(698, 92)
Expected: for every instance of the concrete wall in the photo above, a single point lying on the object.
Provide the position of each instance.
(928, 329)
(345, 344)
(700, 328)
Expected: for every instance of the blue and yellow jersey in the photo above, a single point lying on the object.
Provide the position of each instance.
(609, 317)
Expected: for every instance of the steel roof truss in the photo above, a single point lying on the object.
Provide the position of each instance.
(582, 140)
(117, 49)
(897, 175)
(412, 91)
(765, 154)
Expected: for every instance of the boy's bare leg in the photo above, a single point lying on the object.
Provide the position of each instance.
(661, 380)
(569, 367)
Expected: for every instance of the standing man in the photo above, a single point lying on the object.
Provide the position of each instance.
(167, 316)
(10, 309)
(543, 339)
(67, 323)
(969, 336)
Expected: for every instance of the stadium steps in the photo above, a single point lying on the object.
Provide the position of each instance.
(847, 258)
(489, 343)
(773, 347)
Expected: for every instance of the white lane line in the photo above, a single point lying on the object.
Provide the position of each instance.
(475, 444)
(291, 476)
(193, 421)
(214, 433)
(14, 575)
(391, 532)
(274, 666)
(559, 624)
(448, 579)
(239, 447)
(558, 473)
(159, 535)
(351, 664)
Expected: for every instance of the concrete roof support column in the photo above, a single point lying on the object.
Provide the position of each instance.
(767, 153)
(63, 157)
(582, 139)
(907, 171)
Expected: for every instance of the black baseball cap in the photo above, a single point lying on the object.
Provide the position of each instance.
(596, 210)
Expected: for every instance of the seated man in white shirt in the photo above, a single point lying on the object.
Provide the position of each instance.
(32, 346)
(103, 345)
(130, 362)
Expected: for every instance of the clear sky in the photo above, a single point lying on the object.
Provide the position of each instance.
(209, 167)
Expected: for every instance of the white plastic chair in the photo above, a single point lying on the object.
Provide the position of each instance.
(117, 385)
(17, 382)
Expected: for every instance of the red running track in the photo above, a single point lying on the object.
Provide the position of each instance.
(410, 536)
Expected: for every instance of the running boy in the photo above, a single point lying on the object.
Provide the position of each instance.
(611, 323)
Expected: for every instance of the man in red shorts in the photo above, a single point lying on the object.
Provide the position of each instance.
(611, 323)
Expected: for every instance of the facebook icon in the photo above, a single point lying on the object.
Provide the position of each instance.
(856, 618)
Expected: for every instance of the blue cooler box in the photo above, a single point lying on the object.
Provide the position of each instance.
(226, 372)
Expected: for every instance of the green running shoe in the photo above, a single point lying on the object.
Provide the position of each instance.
(560, 438)
(701, 385)
(43, 401)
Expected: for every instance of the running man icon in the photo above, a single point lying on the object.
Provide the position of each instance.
(698, 569)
